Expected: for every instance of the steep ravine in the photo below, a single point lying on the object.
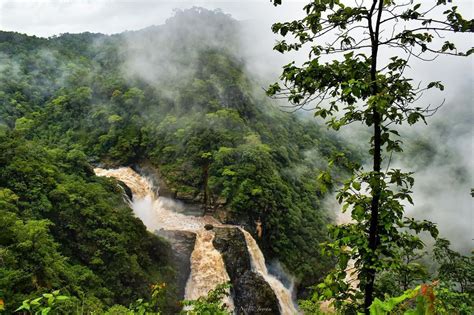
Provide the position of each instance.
(223, 253)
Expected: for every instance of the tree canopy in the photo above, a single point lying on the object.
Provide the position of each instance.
(358, 54)
(190, 110)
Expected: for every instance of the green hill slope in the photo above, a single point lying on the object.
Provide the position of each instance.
(179, 97)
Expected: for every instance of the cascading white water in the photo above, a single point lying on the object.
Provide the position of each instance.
(139, 186)
(351, 276)
(258, 265)
(207, 265)
(156, 213)
(207, 268)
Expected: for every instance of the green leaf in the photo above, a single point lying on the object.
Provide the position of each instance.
(36, 301)
(25, 305)
(356, 185)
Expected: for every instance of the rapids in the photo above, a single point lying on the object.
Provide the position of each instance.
(207, 266)
(258, 265)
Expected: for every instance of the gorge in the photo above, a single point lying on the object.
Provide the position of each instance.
(208, 268)
(152, 158)
(86, 100)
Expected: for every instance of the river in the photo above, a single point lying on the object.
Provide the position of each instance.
(207, 265)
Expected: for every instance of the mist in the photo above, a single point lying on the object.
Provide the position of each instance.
(444, 173)
(168, 54)
(440, 153)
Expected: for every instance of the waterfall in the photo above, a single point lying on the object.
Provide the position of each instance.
(352, 274)
(139, 185)
(207, 266)
(258, 265)
(155, 212)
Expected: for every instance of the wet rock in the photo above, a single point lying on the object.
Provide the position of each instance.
(251, 293)
(182, 245)
(146, 168)
(191, 201)
(231, 243)
(222, 214)
(126, 189)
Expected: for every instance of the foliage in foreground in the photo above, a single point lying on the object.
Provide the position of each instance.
(424, 299)
(346, 80)
(210, 304)
(54, 303)
(450, 291)
(45, 304)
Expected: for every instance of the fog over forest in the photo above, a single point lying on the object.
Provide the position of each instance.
(195, 157)
(444, 176)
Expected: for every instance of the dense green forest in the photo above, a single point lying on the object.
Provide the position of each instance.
(72, 101)
(64, 228)
(178, 97)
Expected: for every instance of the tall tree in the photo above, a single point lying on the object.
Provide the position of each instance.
(347, 79)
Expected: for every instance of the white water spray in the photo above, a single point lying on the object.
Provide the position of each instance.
(207, 266)
(258, 265)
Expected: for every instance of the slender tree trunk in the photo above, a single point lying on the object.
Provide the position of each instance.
(205, 171)
(377, 159)
(374, 218)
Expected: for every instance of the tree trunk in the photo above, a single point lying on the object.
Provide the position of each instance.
(374, 217)
(377, 160)
(205, 171)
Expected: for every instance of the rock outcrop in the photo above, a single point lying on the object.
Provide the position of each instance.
(128, 192)
(251, 293)
(182, 245)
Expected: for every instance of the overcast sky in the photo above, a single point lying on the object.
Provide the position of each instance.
(52, 17)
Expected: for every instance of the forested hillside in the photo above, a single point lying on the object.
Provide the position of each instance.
(177, 97)
(64, 228)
